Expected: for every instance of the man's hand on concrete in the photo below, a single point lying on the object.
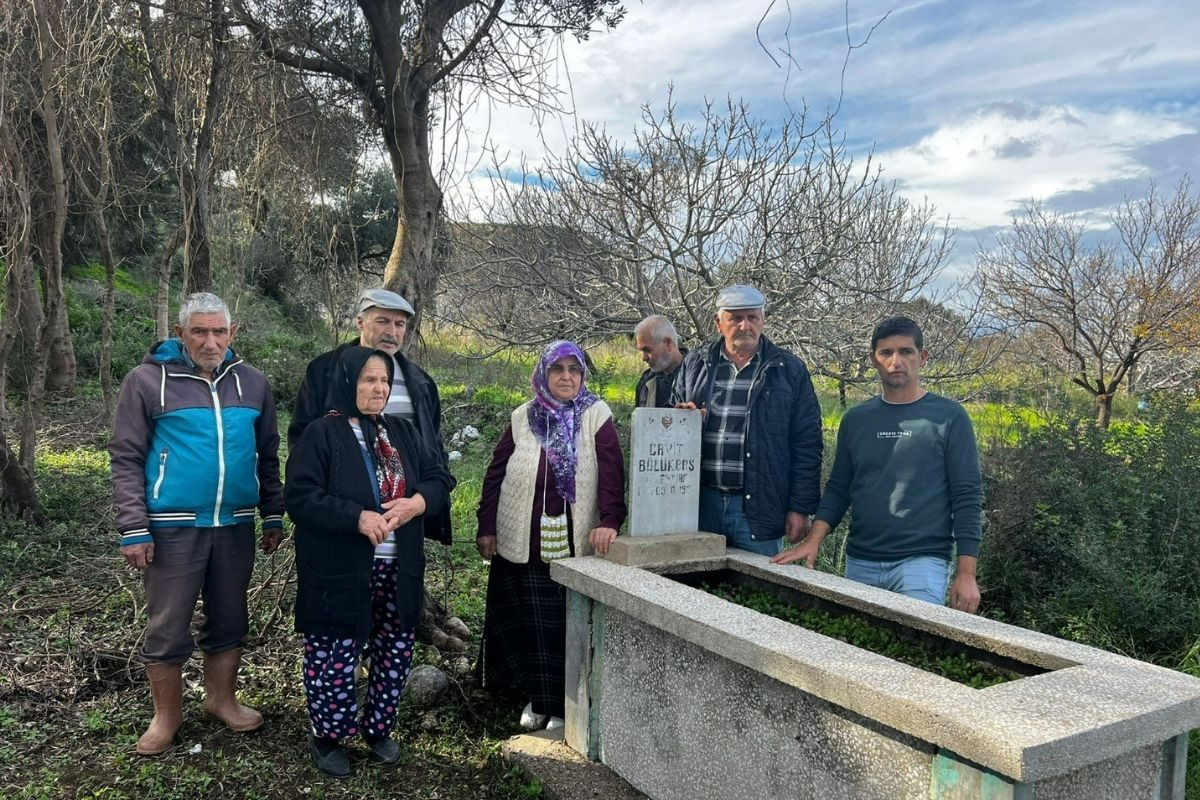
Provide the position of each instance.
(806, 550)
(964, 591)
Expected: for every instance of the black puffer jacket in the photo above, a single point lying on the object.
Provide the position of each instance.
(782, 461)
(427, 406)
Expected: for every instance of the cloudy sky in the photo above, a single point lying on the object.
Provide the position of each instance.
(976, 105)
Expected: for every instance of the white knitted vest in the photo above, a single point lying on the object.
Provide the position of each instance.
(520, 475)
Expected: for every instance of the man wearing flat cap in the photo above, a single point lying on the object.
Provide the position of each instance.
(760, 452)
(382, 321)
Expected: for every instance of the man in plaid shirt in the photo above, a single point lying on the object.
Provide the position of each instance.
(760, 457)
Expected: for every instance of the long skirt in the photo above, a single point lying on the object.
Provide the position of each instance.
(524, 633)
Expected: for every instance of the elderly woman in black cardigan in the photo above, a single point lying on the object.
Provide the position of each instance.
(358, 483)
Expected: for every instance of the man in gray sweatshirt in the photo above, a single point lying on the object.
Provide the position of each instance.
(907, 466)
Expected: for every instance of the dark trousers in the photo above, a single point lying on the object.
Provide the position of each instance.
(189, 563)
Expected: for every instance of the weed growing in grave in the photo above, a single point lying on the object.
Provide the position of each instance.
(859, 632)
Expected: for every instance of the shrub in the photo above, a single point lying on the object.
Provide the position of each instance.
(283, 357)
(133, 325)
(74, 488)
(1094, 535)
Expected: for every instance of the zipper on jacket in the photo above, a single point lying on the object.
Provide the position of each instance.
(162, 473)
(220, 453)
(760, 380)
(220, 425)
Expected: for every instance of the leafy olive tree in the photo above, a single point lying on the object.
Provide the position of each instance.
(404, 63)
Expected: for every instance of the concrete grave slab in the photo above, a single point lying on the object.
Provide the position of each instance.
(667, 548)
(564, 773)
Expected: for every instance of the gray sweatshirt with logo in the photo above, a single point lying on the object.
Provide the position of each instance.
(909, 473)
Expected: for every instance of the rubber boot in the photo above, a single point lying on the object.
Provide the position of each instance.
(220, 676)
(166, 687)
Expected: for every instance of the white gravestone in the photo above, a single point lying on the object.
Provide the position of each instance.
(664, 469)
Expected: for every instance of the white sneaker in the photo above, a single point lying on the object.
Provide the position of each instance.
(555, 723)
(529, 720)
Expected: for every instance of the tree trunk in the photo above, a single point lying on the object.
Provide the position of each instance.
(195, 209)
(17, 490)
(197, 269)
(410, 269)
(21, 320)
(59, 373)
(842, 393)
(28, 309)
(106, 324)
(1103, 410)
(17, 493)
(162, 298)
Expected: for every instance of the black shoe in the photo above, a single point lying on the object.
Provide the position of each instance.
(329, 757)
(384, 751)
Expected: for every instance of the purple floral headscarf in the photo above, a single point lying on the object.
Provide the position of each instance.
(555, 424)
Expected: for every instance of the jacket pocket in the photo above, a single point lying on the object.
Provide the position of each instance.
(162, 473)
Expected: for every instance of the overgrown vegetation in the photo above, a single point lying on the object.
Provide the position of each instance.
(1095, 535)
(856, 630)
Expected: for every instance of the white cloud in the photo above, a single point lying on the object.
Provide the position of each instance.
(978, 168)
(1098, 79)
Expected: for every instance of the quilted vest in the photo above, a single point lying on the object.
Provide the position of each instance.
(520, 476)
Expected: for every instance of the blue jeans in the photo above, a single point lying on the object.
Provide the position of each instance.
(920, 577)
(726, 514)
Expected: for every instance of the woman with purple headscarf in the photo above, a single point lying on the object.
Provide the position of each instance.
(555, 489)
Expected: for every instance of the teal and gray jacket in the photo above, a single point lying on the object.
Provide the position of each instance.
(189, 452)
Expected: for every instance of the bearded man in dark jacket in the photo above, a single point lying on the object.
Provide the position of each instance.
(382, 320)
(760, 455)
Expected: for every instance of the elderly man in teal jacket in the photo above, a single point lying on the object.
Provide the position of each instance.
(194, 453)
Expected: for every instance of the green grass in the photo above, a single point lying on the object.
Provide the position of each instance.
(995, 422)
(123, 280)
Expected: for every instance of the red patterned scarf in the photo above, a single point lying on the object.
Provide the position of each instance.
(389, 470)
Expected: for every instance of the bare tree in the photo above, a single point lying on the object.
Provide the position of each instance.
(34, 218)
(401, 60)
(187, 56)
(93, 131)
(611, 231)
(1095, 307)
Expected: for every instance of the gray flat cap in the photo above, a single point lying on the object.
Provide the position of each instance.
(382, 298)
(740, 296)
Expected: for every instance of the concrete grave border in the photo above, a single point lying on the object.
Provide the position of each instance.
(1092, 706)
